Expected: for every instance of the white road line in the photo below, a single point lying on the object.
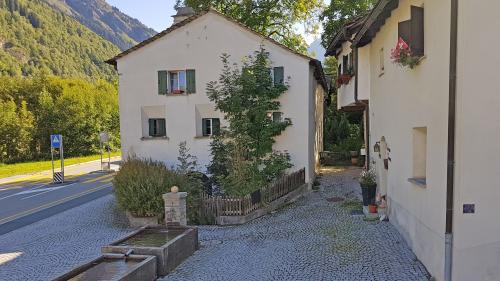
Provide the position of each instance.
(43, 191)
(51, 204)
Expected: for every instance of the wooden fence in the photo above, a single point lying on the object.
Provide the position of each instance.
(214, 206)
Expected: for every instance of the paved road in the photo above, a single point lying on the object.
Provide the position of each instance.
(27, 199)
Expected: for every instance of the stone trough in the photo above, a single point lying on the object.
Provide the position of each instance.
(114, 267)
(170, 245)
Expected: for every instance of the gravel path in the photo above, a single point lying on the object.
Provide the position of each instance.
(311, 239)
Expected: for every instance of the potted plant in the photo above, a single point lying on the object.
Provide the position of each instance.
(368, 183)
(403, 55)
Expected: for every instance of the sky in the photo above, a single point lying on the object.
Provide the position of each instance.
(157, 14)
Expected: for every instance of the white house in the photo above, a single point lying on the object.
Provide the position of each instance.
(162, 94)
(434, 129)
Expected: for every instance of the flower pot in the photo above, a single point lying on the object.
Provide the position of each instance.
(368, 194)
(354, 161)
(372, 209)
(354, 153)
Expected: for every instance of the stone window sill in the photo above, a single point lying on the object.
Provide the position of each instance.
(178, 95)
(202, 137)
(154, 138)
(421, 182)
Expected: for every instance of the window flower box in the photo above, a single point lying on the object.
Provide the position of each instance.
(343, 79)
(177, 92)
(403, 55)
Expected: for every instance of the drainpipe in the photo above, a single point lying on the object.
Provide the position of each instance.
(367, 108)
(448, 257)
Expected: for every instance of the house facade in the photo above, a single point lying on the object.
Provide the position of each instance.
(163, 100)
(433, 129)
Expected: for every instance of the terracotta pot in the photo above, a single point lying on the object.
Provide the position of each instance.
(372, 209)
(354, 161)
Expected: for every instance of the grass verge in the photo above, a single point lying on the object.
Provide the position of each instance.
(7, 170)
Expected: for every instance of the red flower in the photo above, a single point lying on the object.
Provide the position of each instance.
(402, 49)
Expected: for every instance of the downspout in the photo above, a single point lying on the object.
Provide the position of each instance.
(448, 257)
(367, 107)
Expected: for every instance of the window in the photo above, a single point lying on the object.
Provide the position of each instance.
(419, 154)
(381, 61)
(176, 82)
(412, 31)
(277, 75)
(211, 126)
(275, 116)
(157, 127)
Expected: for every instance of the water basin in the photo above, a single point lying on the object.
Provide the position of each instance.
(151, 238)
(114, 267)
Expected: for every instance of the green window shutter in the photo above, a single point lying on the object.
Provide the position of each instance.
(162, 130)
(151, 127)
(204, 126)
(191, 81)
(162, 82)
(279, 75)
(215, 126)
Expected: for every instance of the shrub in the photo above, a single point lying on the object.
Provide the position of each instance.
(140, 184)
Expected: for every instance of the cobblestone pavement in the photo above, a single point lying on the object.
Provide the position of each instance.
(312, 239)
(51, 247)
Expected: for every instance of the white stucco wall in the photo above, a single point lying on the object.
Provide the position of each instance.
(477, 236)
(199, 46)
(345, 94)
(401, 100)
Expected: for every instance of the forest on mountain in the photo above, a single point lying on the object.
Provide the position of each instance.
(53, 80)
(105, 20)
(34, 37)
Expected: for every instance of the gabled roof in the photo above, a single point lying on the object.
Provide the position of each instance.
(318, 73)
(344, 35)
(374, 21)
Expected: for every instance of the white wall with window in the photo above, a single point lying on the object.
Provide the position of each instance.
(153, 120)
(188, 58)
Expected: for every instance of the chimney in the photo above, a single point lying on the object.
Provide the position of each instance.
(183, 13)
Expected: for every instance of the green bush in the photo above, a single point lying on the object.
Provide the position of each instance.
(140, 184)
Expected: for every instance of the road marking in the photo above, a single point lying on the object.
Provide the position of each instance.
(98, 178)
(52, 204)
(43, 191)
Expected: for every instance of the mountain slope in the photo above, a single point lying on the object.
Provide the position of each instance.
(34, 37)
(317, 49)
(105, 20)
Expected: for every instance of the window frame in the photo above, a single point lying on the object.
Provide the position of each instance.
(180, 89)
(156, 127)
(204, 126)
(271, 115)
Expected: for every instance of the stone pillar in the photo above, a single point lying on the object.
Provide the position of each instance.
(175, 207)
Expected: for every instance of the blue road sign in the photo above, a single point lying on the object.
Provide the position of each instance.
(55, 141)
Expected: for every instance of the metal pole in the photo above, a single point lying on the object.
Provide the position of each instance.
(109, 158)
(100, 145)
(62, 159)
(52, 156)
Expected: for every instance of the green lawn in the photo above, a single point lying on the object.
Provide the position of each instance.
(7, 170)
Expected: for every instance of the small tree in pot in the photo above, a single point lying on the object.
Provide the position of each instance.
(368, 183)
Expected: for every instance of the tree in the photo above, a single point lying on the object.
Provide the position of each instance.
(338, 13)
(243, 158)
(272, 18)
